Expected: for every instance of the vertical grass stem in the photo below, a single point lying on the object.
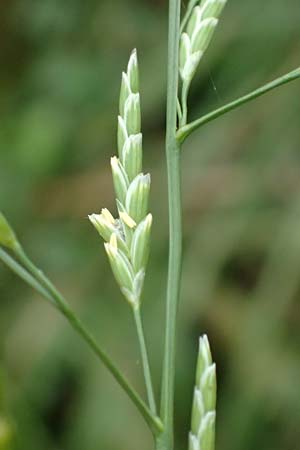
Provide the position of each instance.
(166, 441)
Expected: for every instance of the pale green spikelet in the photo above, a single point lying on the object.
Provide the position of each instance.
(120, 264)
(132, 114)
(197, 36)
(137, 197)
(141, 244)
(212, 8)
(124, 94)
(132, 155)
(127, 238)
(203, 35)
(133, 295)
(204, 358)
(133, 72)
(189, 60)
(122, 136)
(7, 236)
(106, 225)
(120, 179)
(202, 434)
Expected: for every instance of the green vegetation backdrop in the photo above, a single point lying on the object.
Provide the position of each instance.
(61, 62)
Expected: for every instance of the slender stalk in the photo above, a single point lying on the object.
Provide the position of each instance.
(166, 441)
(24, 275)
(179, 111)
(186, 130)
(145, 360)
(44, 286)
(153, 422)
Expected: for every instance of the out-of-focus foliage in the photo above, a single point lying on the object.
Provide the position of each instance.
(59, 82)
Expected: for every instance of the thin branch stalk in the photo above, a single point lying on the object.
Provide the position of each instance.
(145, 360)
(186, 130)
(184, 99)
(35, 277)
(15, 267)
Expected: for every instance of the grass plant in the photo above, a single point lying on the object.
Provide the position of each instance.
(127, 237)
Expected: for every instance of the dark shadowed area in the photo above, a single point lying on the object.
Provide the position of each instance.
(61, 63)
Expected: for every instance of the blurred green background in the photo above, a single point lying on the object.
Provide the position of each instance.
(59, 82)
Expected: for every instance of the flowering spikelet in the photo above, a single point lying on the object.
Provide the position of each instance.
(202, 434)
(197, 35)
(127, 237)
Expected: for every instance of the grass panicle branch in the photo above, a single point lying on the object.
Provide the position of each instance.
(186, 130)
(127, 238)
(19, 270)
(197, 30)
(145, 360)
(35, 278)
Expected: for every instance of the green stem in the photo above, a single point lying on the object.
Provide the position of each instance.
(24, 275)
(179, 111)
(186, 130)
(145, 360)
(175, 244)
(153, 422)
(44, 286)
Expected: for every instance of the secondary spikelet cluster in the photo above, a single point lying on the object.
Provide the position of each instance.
(202, 434)
(197, 36)
(127, 237)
